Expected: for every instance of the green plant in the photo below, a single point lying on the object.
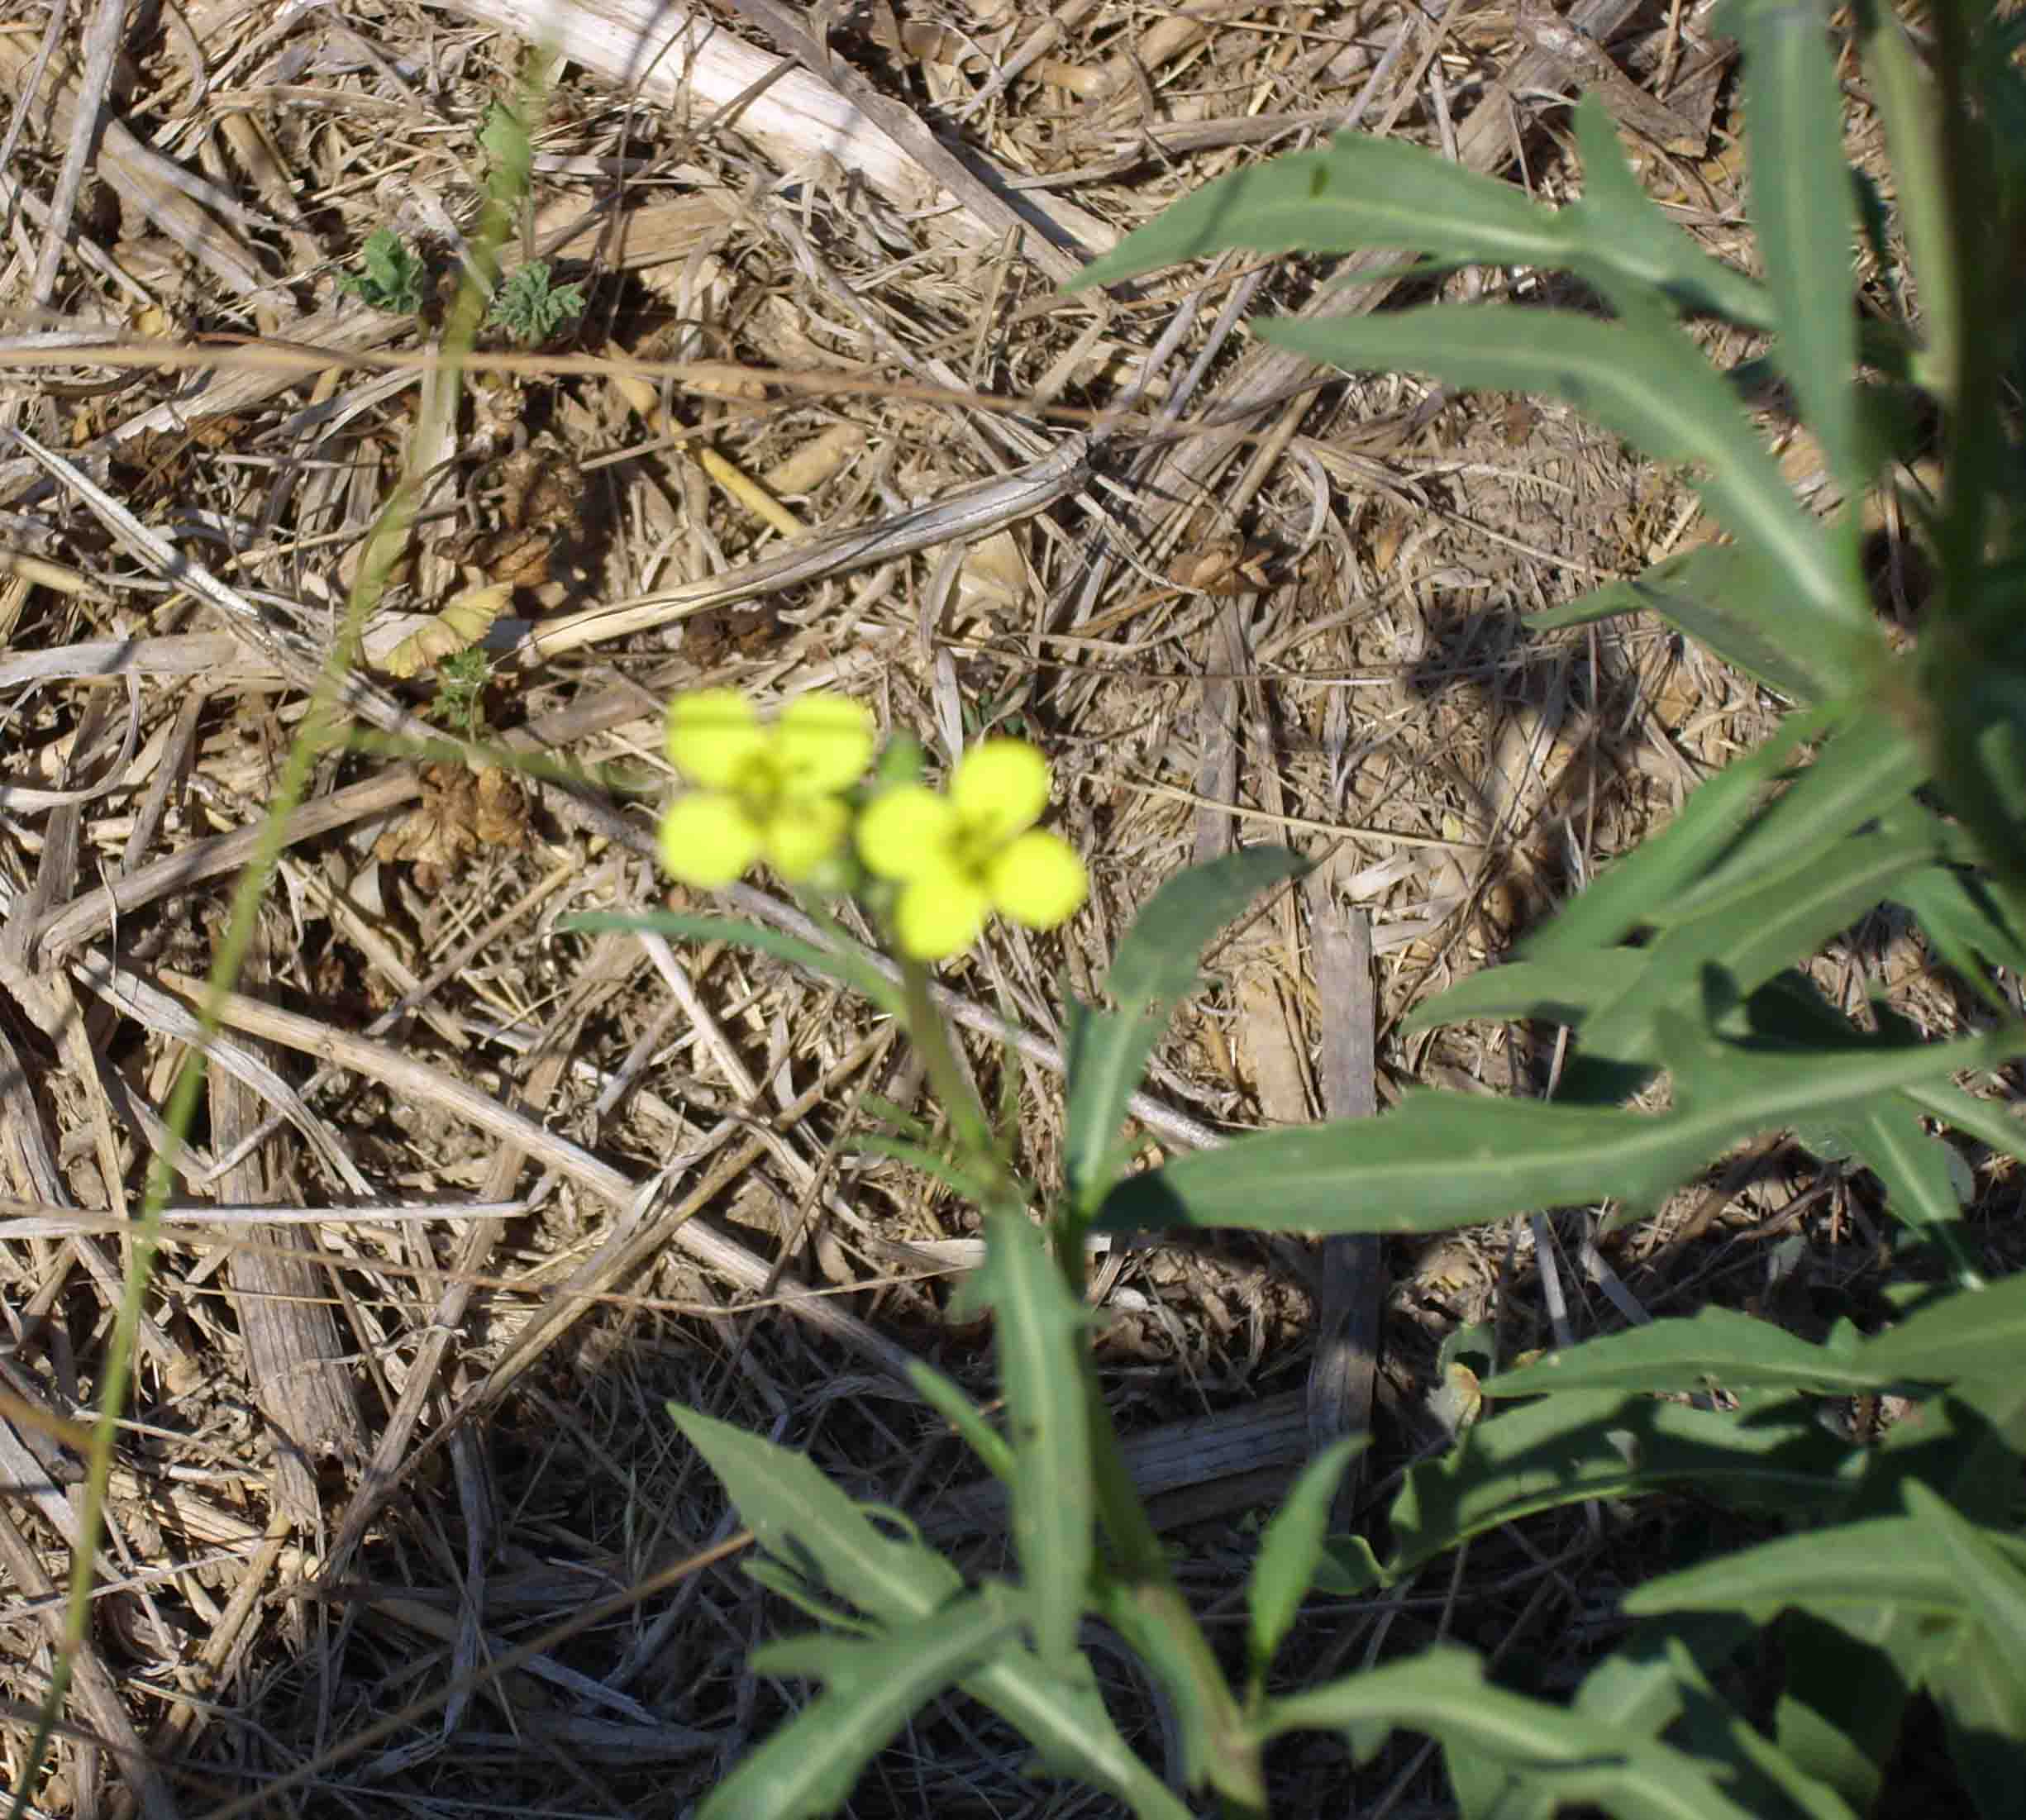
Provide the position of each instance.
(530, 307)
(460, 702)
(391, 275)
(1902, 1570)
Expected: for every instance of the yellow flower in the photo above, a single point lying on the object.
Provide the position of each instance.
(766, 793)
(960, 856)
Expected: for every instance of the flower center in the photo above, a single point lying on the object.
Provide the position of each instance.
(761, 785)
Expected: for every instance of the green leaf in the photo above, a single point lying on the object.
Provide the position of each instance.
(1880, 1560)
(1801, 210)
(1748, 935)
(1618, 233)
(1968, 927)
(811, 1764)
(802, 1519)
(1290, 1551)
(1978, 1118)
(1040, 1329)
(1361, 192)
(1989, 1567)
(1720, 595)
(1980, 1689)
(531, 306)
(1759, 1774)
(1155, 968)
(1840, 1711)
(1718, 1347)
(1365, 191)
(1443, 1159)
(1906, 96)
(1886, 1136)
(1642, 378)
(1971, 1334)
(393, 275)
(1566, 988)
(1585, 1444)
(1864, 773)
(509, 154)
(1444, 1695)
(1642, 885)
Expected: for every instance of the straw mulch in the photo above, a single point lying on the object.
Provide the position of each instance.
(469, 1196)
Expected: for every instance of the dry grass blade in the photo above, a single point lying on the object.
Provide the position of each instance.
(286, 1319)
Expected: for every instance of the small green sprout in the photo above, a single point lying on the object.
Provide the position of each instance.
(461, 679)
(532, 309)
(392, 277)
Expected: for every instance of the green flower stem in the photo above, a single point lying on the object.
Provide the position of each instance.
(1149, 1602)
(981, 1153)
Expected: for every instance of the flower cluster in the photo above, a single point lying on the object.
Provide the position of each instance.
(781, 794)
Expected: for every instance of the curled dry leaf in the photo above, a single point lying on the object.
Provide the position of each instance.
(461, 810)
(404, 645)
(440, 829)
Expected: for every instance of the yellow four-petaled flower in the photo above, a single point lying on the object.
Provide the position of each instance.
(764, 793)
(959, 856)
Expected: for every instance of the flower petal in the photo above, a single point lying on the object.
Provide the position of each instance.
(823, 743)
(713, 735)
(941, 912)
(998, 788)
(804, 835)
(905, 831)
(707, 839)
(1038, 879)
